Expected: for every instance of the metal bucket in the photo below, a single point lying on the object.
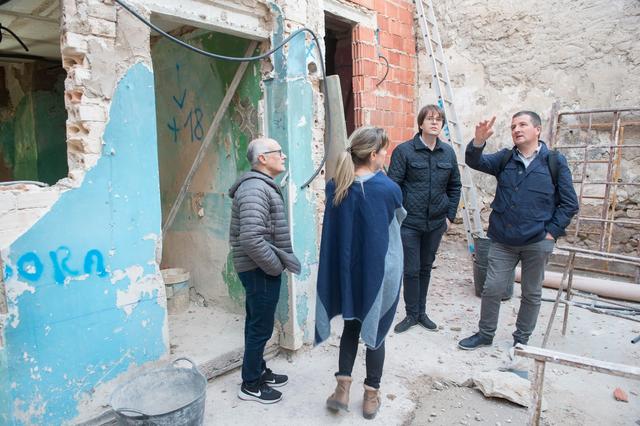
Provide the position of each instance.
(171, 396)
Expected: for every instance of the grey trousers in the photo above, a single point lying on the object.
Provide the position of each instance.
(502, 261)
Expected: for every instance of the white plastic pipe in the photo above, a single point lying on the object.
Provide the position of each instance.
(601, 287)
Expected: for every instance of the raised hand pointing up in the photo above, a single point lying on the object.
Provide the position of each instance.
(484, 130)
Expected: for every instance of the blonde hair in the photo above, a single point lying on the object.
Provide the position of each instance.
(363, 142)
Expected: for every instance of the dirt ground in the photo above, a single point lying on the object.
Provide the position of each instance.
(424, 370)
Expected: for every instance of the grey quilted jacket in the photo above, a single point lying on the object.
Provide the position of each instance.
(259, 232)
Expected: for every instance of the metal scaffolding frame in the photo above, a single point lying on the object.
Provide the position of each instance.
(582, 157)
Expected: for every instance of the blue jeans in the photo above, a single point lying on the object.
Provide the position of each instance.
(502, 261)
(420, 249)
(262, 293)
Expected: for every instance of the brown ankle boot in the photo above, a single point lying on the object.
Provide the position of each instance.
(339, 400)
(371, 402)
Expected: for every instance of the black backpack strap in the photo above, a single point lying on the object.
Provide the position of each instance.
(554, 165)
(505, 159)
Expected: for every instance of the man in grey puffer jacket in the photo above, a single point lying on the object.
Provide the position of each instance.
(261, 247)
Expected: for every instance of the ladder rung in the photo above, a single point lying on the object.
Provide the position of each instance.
(594, 197)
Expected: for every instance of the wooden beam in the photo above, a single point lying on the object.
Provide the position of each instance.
(213, 129)
(336, 142)
(535, 408)
(590, 364)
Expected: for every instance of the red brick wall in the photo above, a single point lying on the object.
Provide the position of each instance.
(391, 104)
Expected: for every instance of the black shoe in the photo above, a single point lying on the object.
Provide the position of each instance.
(516, 341)
(405, 324)
(424, 321)
(261, 393)
(272, 379)
(474, 342)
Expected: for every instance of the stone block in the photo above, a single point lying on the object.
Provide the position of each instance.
(102, 27)
(98, 9)
(91, 113)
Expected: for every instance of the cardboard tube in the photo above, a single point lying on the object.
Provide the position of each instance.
(601, 287)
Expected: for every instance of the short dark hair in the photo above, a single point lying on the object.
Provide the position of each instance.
(429, 108)
(535, 118)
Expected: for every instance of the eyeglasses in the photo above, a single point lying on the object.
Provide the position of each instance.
(278, 151)
(431, 118)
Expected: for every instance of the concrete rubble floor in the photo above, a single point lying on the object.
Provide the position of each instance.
(423, 369)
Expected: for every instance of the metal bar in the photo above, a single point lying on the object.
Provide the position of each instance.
(554, 310)
(600, 125)
(636, 260)
(595, 310)
(215, 124)
(600, 271)
(614, 188)
(611, 302)
(617, 221)
(567, 298)
(607, 183)
(598, 110)
(606, 205)
(596, 146)
(588, 161)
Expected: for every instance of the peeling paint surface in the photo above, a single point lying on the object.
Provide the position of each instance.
(87, 299)
(291, 108)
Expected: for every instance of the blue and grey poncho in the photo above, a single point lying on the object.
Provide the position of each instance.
(360, 269)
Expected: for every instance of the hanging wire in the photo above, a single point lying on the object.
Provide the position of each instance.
(250, 59)
(384, 77)
(14, 36)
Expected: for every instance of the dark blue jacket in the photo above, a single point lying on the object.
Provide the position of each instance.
(430, 182)
(526, 205)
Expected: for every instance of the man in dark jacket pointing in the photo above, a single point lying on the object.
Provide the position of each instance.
(531, 209)
(261, 246)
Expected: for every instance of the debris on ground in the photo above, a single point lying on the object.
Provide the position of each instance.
(620, 395)
(502, 384)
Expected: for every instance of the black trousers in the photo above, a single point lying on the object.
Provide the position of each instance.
(349, 350)
(262, 292)
(419, 249)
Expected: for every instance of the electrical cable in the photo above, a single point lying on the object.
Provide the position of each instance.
(14, 36)
(384, 77)
(250, 59)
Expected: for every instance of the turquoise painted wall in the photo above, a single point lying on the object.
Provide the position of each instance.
(291, 113)
(189, 91)
(83, 284)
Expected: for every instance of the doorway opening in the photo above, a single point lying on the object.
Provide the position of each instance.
(190, 89)
(339, 61)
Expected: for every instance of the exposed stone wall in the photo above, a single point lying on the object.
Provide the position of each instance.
(508, 56)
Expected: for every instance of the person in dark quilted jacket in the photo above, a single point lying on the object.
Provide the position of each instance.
(261, 250)
(426, 170)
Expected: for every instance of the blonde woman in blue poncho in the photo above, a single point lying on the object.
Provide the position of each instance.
(360, 267)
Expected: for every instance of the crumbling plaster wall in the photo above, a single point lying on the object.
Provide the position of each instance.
(505, 56)
(85, 299)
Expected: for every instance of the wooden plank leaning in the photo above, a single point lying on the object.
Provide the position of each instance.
(213, 129)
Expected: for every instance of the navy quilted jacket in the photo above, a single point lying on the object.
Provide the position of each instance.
(527, 204)
(430, 182)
